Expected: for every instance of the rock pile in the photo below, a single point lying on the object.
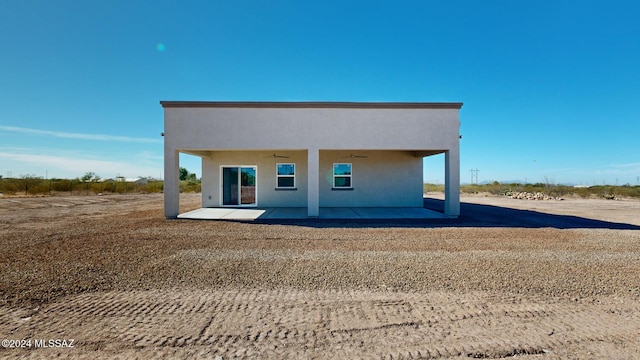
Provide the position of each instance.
(524, 195)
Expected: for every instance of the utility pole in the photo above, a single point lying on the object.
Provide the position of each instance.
(474, 175)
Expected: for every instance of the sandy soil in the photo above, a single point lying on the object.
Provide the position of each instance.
(510, 278)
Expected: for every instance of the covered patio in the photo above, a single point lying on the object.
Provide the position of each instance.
(287, 213)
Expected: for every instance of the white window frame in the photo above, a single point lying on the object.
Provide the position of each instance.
(221, 197)
(278, 176)
(350, 176)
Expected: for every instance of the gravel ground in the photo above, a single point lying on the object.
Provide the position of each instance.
(56, 249)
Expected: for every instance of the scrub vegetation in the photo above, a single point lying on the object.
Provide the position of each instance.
(497, 188)
(91, 184)
(32, 185)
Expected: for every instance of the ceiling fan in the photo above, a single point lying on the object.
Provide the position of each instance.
(351, 156)
(275, 156)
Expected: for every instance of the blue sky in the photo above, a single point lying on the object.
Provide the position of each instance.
(550, 88)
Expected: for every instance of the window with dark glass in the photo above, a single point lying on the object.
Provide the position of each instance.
(342, 175)
(286, 175)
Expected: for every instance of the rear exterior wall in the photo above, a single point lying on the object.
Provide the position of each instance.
(381, 179)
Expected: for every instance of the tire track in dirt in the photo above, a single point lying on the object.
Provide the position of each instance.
(288, 323)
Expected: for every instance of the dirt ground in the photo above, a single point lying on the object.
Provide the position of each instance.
(109, 277)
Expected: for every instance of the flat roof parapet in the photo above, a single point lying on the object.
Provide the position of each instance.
(311, 105)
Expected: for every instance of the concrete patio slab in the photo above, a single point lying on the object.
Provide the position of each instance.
(338, 213)
(286, 213)
(222, 214)
(301, 213)
(380, 213)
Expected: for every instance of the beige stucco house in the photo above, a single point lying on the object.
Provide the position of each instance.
(311, 154)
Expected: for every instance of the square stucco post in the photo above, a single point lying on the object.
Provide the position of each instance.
(171, 183)
(452, 182)
(313, 183)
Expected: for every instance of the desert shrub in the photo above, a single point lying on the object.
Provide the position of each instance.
(109, 187)
(584, 193)
(496, 188)
(39, 187)
(432, 188)
(628, 190)
(60, 185)
(8, 187)
(155, 186)
(190, 186)
(470, 188)
(558, 190)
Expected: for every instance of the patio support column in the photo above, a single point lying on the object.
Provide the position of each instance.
(452, 182)
(171, 182)
(313, 183)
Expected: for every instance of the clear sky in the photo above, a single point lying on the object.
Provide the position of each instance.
(551, 89)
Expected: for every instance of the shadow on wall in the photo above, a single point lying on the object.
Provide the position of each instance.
(472, 215)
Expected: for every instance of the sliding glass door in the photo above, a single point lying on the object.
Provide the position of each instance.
(239, 185)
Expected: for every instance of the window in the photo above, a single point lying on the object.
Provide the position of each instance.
(342, 176)
(285, 176)
(239, 187)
